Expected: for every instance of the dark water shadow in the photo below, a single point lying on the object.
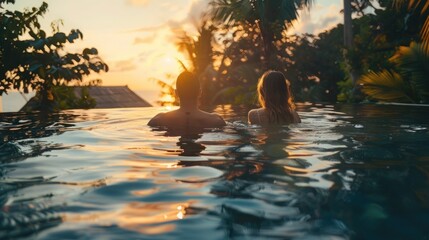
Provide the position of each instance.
(257, 197)
(381, 178)
(22, 130)
(22, 137)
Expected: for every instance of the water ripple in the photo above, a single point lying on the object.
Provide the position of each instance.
(345, 172)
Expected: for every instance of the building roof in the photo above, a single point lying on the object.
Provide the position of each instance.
(114, 97)
(105, 97)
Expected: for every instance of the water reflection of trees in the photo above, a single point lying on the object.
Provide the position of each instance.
(21, 129)
(19, 134)
(25, 136)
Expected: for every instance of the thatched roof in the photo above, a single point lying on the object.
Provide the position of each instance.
(114, 97)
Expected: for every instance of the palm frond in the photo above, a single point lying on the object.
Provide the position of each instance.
(425, 30)
(399, 3)
(182, 64)
(198, 49)
(386, 86)
(229, 11)
(267, 11)
(167, 90)
(413, 63)
(423, 6)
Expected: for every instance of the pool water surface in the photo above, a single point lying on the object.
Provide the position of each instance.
(345, 172)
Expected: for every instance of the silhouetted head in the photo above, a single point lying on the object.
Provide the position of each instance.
(275, 95)
(187, 87)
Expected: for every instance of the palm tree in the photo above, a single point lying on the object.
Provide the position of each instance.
(271, 16)
(199, 52)
(348, 30)
(350, 6)
(407, 82)
(199, 48)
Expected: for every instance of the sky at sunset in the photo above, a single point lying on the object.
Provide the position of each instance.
(136, 37)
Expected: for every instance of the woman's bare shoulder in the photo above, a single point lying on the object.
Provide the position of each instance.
(252, 116)
(296, 118)
(251, 113)
(255, 110)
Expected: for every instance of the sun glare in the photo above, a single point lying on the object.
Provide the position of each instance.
(170, 63)
(168, 99)
(168, 60)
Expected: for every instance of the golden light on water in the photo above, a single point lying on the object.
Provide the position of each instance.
(146, 218)
(181, 212)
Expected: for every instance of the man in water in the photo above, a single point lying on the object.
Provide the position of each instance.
(188, 118)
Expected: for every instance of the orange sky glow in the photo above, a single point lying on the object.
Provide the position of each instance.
(136, 37)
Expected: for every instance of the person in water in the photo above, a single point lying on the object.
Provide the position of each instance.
(276, 100)
(188, 117)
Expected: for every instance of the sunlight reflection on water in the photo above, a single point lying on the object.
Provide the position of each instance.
(103, 174)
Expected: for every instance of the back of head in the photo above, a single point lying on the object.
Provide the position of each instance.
(275, 96)
(187, 86)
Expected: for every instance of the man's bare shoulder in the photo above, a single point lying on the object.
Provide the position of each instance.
(162, 119)
(213, 120)
(157, 120)
(218, 120)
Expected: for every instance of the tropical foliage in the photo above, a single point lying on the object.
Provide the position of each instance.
(66, 97)
(404, 77)
(406, 82)
(247, 41)
(168, 95)
(200, 55)
(271, 17)
(422, 7)
(30, 59)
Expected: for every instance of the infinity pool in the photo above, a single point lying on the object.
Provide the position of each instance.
(345, 172)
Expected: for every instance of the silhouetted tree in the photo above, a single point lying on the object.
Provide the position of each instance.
(32, 60)
(272, 17)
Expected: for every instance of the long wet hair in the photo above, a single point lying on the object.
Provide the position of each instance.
(275, 96)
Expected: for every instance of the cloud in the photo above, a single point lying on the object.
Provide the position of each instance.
(189, 21)
(145, 40)
(149, 28)
(124, 65)
(198, 7)
(138, 2)
(193, 14)
(318, 19)
(184, 17)
(329, 21)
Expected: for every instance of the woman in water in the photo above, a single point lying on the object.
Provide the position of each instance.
(276, 100)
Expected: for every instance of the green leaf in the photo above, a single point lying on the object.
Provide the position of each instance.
(413, 63)
(386, 86)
